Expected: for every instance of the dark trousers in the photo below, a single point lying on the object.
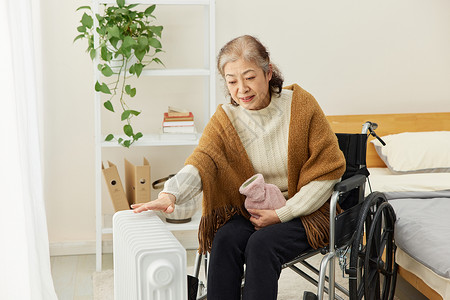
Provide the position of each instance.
(263, 252)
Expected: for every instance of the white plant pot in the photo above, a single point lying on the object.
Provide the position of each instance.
(116, 63)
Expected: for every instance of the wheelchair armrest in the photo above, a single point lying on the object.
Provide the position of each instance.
(350, 183)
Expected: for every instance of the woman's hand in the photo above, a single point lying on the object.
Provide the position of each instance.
(265, 217)
(164, 203)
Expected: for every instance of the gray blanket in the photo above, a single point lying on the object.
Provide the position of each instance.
(422, 229)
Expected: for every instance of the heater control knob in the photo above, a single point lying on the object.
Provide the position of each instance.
(161, 273)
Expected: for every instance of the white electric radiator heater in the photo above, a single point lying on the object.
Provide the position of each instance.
(149, 262)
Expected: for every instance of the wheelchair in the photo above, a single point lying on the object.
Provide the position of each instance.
(361, 236)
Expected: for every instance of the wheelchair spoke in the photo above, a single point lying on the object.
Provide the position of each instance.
(379, 261)
(360, 292)
(372, 276)
(372, 286)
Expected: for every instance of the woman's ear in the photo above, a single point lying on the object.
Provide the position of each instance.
(270, 72)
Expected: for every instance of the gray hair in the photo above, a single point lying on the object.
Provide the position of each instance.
(250, 49)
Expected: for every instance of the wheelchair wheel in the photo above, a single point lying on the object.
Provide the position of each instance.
(372, 260)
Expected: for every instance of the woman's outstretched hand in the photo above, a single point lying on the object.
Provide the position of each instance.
(265, 218)
(164, 203)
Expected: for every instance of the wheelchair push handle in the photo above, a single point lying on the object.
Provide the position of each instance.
(370, 127)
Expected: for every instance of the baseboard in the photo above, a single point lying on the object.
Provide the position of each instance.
(78, 248)
(187, 238)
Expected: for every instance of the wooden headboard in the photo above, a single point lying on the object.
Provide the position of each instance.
(390, 124)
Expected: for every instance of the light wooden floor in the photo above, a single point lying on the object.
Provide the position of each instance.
(72, 277)
(72, 274)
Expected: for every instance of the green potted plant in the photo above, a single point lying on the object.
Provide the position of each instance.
(127, 43)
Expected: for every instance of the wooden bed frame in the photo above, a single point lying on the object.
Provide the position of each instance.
(390, 124)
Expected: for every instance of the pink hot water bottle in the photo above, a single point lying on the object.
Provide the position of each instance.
(261, 195)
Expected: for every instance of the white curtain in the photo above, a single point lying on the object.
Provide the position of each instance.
(24, 248)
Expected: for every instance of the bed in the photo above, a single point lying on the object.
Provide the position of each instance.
(414, 173)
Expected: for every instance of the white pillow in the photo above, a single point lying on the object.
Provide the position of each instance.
(416, 152)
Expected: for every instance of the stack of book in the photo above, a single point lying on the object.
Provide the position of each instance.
(178, 121)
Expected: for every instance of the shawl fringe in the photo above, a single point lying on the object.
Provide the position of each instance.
(210, 223)
(317, 226)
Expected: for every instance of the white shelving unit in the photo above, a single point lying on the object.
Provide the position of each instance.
(151, 140)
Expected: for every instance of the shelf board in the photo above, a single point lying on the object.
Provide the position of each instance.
(106, 230)
(153, 139)
(176, 72)
(159, 2)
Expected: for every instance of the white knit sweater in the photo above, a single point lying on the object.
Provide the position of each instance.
(264, 135)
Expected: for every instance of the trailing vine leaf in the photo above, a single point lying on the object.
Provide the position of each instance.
(108, 105)
(122, 11)
(100, 30)
(154, 43)
(125, 115)
(109, 137)
(157, 30)
(107, 71)
(121, 3)
(127, 143)
(157, 60)
(140, 53)
(142, 41)
(83, 7)
(104, 53)
(128, 130)
(128, 42)
(78, 37)
(87, 20)
(103, 88)
(130, 91)
(92, 53)
(148, 12)
(138, 67)
(81, 29)
(125, 51)
(98, 86)
(113, 32)
(131, 70)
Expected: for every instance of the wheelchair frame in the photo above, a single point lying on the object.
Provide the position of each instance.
(374, 209)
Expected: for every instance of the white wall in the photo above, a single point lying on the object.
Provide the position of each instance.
(355, 57)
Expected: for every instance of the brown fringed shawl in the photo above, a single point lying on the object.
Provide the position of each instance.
(223, 163)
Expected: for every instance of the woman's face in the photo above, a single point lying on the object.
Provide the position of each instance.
(247, 84)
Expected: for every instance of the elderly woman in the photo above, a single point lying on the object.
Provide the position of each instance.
(280, 133)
